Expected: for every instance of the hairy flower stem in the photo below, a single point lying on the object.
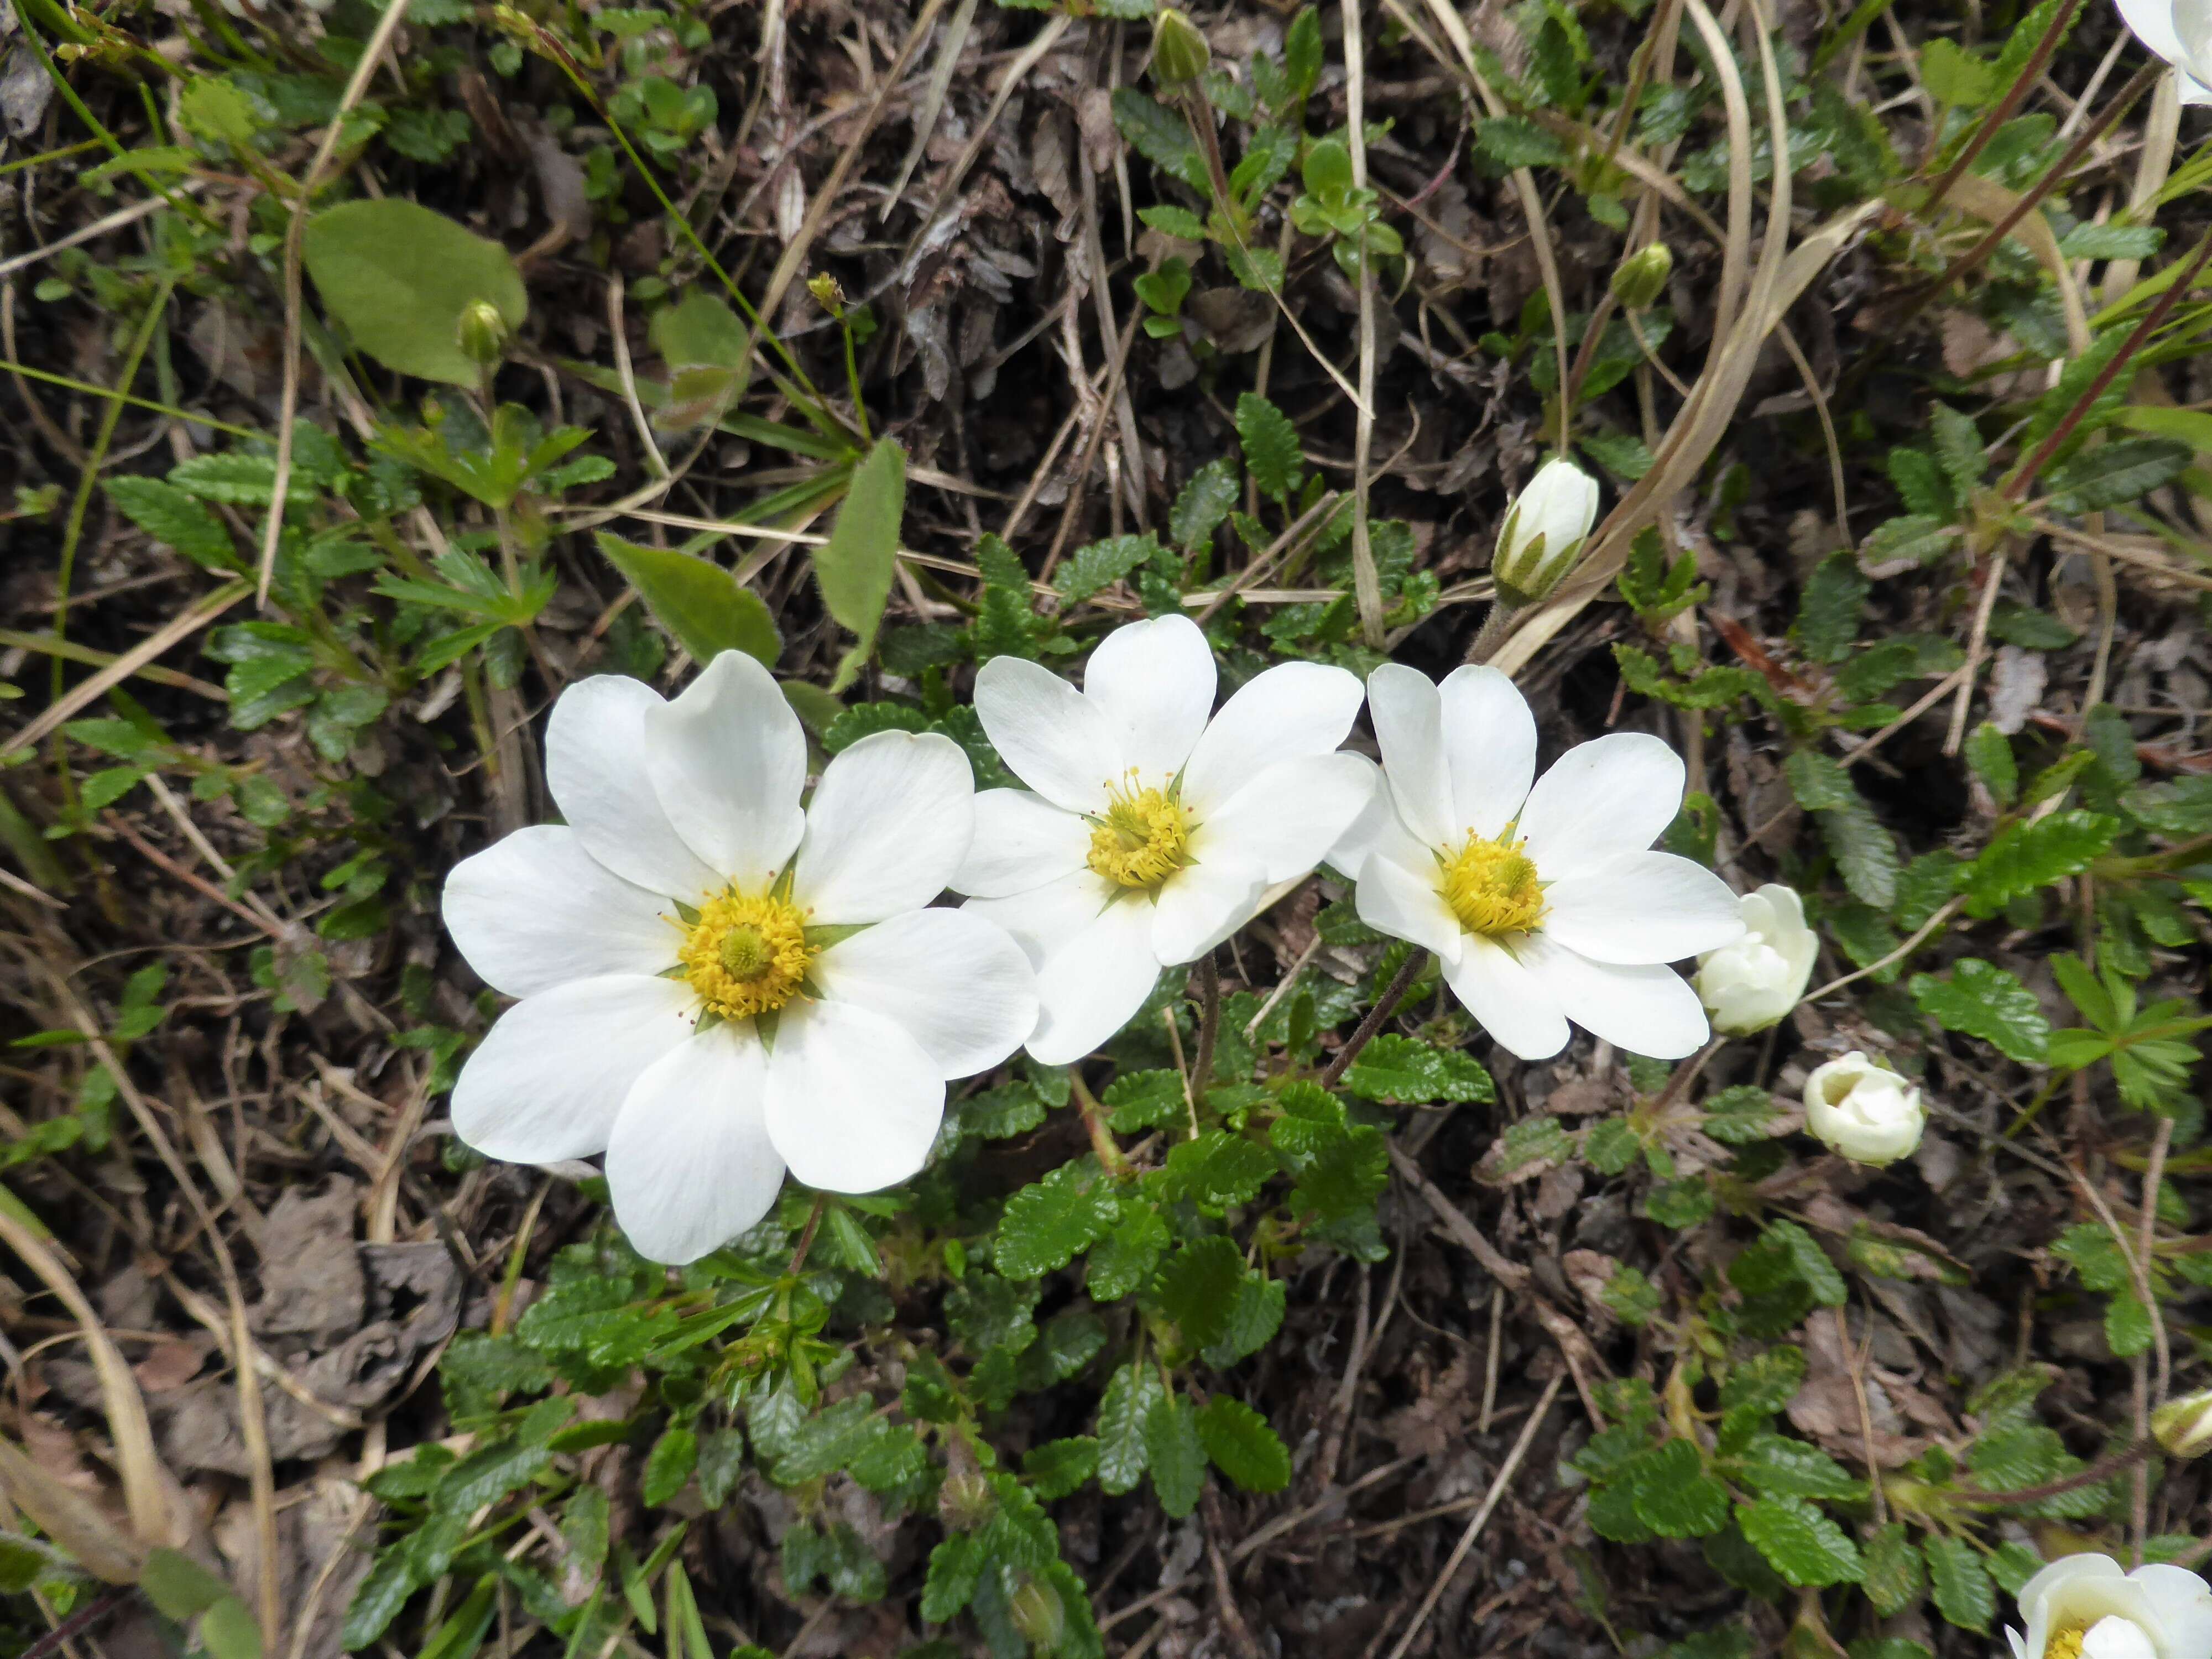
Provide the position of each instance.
(806, 1236)
(1101, 1139)
(1385, 1005)
(1209, 1023)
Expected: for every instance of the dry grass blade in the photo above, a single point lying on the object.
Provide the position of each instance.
(89, 691)
(933, 102)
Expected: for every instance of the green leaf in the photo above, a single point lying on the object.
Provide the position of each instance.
(855, 567)
(2128, 1330)
(229, 1630)
(1130, 1395)
(1916, 539)
(699, 602)
(2025, 856)
(1799, 1542)
(1271, 454)
(1243, 1446)
(1059, 1467)
(1828, 614)
(1989, 751)
(1893, 1579)
(1514, 141)
(1198, 1288)
(1102, 564)
(1219, 1169)
(1204, 503)
(1775, 1466)
(1407, 1072)
(1175, 1453)
(1126, 1257)
(399, 276)
(1986, 1001)
(1963, 1592)
(1673, 1495)
(1048, 1225)
(2111, 473)
(668, 1466)
(1958, 447)
(177, 520)
(699, 331)
(1161, 137)
(1954, 76)
(179, 1586)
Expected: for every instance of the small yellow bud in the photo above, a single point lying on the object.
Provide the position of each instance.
(1179, 54)
(483, 333)
(1641, 278)
(827, 294)
(2183, 1426)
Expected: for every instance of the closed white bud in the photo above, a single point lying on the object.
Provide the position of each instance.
(1860, 1109)
(2183, 1426)
(1754, 983)
(1544, 533)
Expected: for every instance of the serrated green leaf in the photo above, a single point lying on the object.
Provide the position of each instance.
(1404, 1071)
(1273, 455)
(1893, 1578)
(1243, 1446)
(1125, 1260)
(176, 520)
(668, 1466)
(1161, 137)
(1197, 1288)
(1989, 751)
(2025, 856)
(1963, 1592)
(1123, 1409)
(1204, 503)
(1774, 1465)
(1102, 564)
(1986, 1001)
(1801, 1543)
(1218, 1169)
(1828, 614)
(1048, 1225)
(1673, 1495)
(1059, 1467)
(2108, 474)
(1174, 1454)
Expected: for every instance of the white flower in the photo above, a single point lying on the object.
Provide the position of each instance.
(1152, 833)
(1544, 533)
(2180, 32)
(1751, 984)
(716, 984)
(1542, 903)
(1862, 1109)
(2087, 1606)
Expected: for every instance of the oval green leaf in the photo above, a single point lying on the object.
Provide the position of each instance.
(399, 276)
(700, 604)
(854, 568)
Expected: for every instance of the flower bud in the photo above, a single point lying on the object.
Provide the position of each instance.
(1641, 278)
(965, 1502)
(2183, 1426)
(483, 333)
(828, 293)
(1179, 54)
(1863, 1110)
(1038, 1615)
(1544, 533)
(1753, 983)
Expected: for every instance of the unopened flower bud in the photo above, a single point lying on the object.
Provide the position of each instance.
(483, 333)
(1544, 533)
(1863, 1110)
(1641, 278)
(1037, 1614)
(1753, 983)
(827, 294)
(2183, 1426)
(1179, 54)
(965, 1502)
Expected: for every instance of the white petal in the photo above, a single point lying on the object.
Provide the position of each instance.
(1022, 842)
(1378, 832)
(2194, 91)
(1052, 737)
(1285, 820)
(958, 984)
(1520, 1013)
(1092, 983)
(2051, 1583)
(690, 1165)
(1599, 801)
(1156, 679)
(1203, 904)
(889, 824)
(535, 910)
(595, 771)
(2153, 23)
(1490, 748)
(1408, 716)
(548, 1079)
(2117, 1638)
(1405, 904)
(2183, 1603)
(853, 1103)
(2018, 1643)
(1045, 918)
(1293, 708)
(728, 759)
(1649, 1011)
(1648, 907)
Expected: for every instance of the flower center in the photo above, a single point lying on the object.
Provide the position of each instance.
(1491, 887)
(1141, 839)
(2065, 1643)
(747, 955)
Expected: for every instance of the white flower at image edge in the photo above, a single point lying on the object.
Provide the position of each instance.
(716, 984)
(2088, 1606)
(1149, 832)
(2180, 32)
(1539, 896)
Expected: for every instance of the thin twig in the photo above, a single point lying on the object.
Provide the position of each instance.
(1209, 1029)
(1385, 1005)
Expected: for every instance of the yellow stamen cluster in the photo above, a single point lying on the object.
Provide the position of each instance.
(2065, 1643)
(1141, 839)
(1491, 887)
(747, 955)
